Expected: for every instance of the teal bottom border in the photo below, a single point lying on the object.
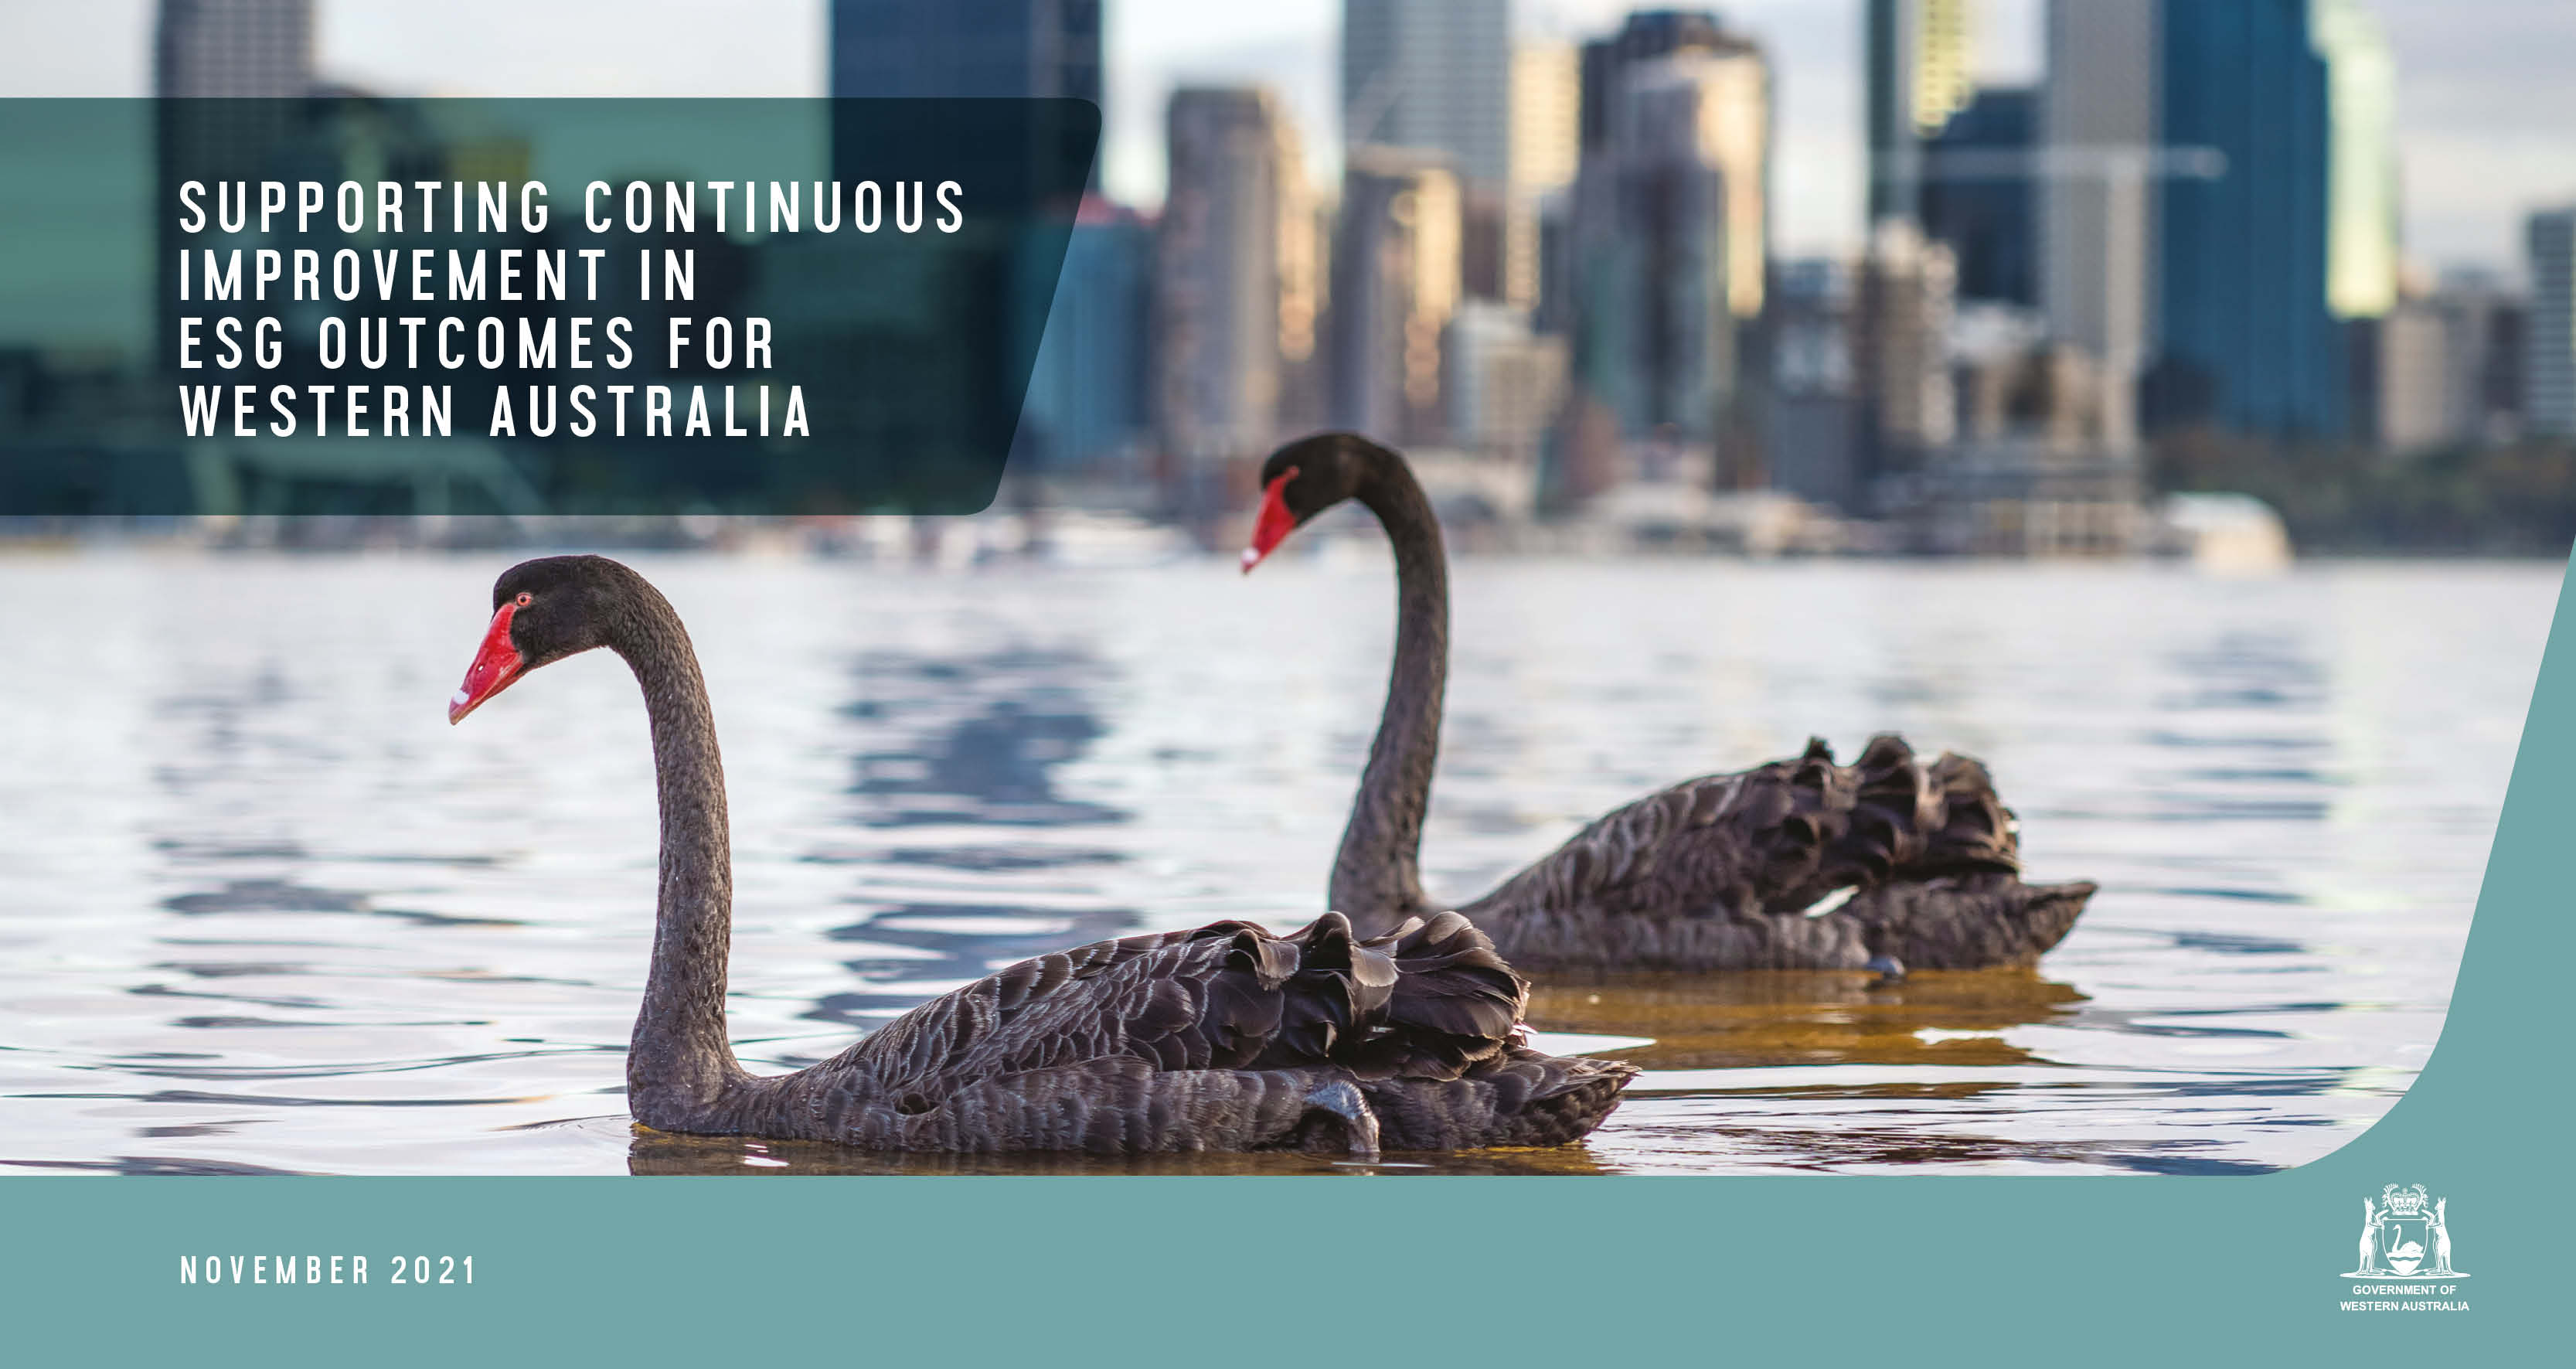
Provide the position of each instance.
(1288, 1270)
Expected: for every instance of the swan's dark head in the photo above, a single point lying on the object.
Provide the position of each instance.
(542, 611)
(1305, 478)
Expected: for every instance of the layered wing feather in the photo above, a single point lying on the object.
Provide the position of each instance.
(1774, 838)
(1426, 1001)
(1716, 873)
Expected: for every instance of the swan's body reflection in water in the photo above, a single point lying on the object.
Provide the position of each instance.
(1760, 1018)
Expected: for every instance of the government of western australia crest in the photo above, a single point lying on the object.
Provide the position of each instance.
(2405, 1233)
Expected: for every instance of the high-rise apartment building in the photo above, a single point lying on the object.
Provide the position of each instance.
(1397, 281)
(233, 48)
(2219, 198)
(249, 55)
(1237, 284)
(1668, 241)
(2549, 347)
(1008, 48)
(1978, 194)
(2098, 119)
(1900, 339)
(1547, 108)
(1918, 71)
(1431, 75)
(1089, 397)
(2362, 203)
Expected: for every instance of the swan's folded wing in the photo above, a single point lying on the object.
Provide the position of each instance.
(1455, 1001)
(1775, 838)
(1719, 843)
(1908, 823)
(1431, 998)
(1141, 996)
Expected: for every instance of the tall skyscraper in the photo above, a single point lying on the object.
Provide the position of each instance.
(2098, 120)
(1668, 245)
(2549, 348)
(1918, 73)
(1014, 48)
(2219, 197)
(2362, 203)
(247, 54)
(233, 48)
(1724, 121)
(1977, 194)
(1643, 37)
(1547, 106)
(1236, 275)
(2245, 335)
(1088, 390)
(1397, 281)
(1900, 336)
(1432, 75)
(1812, 433)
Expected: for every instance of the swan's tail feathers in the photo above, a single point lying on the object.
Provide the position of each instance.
(1323, 987)
(1429, 998)
(1894, 810)
(1975, 831)
(1966, 922)
(1902, 820)
(1520, 1097)
(1454, 1003)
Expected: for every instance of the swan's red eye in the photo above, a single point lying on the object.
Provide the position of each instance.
(525, 598)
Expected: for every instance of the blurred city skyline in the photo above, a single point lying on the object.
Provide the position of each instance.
(1598, 267)
(2481, 103)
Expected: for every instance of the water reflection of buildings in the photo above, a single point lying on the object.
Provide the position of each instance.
(978, 738)
(964, 754)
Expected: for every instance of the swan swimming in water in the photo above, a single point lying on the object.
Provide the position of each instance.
(1224, 1037)
(1724, 872)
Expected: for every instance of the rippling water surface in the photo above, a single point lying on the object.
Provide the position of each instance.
(261, 910)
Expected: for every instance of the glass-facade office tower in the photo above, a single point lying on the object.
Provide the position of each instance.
(1018, 48)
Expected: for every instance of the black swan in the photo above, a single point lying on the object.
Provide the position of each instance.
(1222, 1038)
(1724, 872)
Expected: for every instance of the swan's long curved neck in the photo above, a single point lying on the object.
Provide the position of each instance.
(1377, 876)
(680, 1062)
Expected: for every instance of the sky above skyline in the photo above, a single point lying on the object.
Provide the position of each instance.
(2485, 103)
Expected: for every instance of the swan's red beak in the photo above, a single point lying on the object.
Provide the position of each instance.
(1275, 522)
(495, 666)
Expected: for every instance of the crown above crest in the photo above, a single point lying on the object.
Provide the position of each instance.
(2409, 1201)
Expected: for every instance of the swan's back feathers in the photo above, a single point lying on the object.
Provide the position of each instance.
(1774, 838)
(1905, 821)
(1425, 1001)
(1223, 1037)
(1453, 1001)
(1716, 872)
